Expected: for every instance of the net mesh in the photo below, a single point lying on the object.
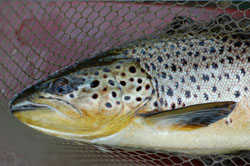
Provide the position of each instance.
(38, 38)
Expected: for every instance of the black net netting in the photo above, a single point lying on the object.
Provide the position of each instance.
(38, 38)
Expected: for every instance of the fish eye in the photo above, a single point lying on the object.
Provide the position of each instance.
(61, 86)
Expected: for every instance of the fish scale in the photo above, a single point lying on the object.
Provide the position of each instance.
(192, 70)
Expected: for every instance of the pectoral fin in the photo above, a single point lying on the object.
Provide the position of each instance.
(191, 117)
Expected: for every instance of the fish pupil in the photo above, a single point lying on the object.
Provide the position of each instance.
(61, 86)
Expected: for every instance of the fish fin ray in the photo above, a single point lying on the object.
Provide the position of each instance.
(191, 117)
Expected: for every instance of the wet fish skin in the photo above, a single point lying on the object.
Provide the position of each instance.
(191, 70)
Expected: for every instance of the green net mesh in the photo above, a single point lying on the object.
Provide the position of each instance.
(38, 38)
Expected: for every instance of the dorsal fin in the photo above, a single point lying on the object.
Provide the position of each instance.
(191, 117)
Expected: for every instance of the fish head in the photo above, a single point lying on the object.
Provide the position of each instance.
(87, 103)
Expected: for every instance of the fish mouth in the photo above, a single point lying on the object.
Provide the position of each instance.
(60, 106)
(27, 105)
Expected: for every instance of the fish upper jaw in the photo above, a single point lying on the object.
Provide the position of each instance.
(60, 106)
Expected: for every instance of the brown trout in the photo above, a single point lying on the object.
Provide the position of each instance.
(176, 91)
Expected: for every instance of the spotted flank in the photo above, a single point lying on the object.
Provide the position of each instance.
(176, 86)
(196, 69)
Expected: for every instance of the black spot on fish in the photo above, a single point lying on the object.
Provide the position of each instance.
(170, 77)
(172, 46)
(198, 87)
(111, 82)
(190, 53)
(166, 66)
(143, 51)
(212, 50)
(96, 73)
(159, 58)
(220, 77)
(170, 92)
(127, 98)
(193, 79)
(201, 43)
(178, 53)
(173, 105)
(105, 76)
(133, 51)
(237, 44)
(142, 70)
(138, 59)
(106, 70)
(230, 59)
(222, 61)
(227, 75)
(168, 55)
(162, 89)
(182, 79)
(246, 89)
(123, 74)
(163, 75)
(237, 94)
(108, 105)
(147, 67)
(229, 49)
(173, 67)
(184, 48)
(204, 58)
(205, 77)
(191, 44)
(214, 89)
(161, 101)
(197, 54)
(156, 104)
(139, 80)
(71, 95)
(147, 87)
(153, 66)
(95, 96)
(184, 62)
(195, 66)
(212, 75)
(248, 59)
(195, 95)
(179, 101)
(123, 83)
(237, 77)
(94, 84)
(214, 65)
(206, 96)
(138, 99)
(114, 94)
(221, 50)
(176, 85)
(187, 94)
(138, 88)
(132, 69)
(131, 79)
(150, 55)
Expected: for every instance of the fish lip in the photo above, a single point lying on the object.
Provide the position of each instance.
(26, 105)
